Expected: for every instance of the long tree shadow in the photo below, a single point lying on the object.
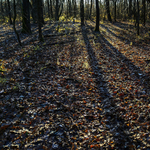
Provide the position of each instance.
(119, 57)
(133, 70)
(8, 52)
(130, 37)
(122, 140)
(127, 41)
(123, 25)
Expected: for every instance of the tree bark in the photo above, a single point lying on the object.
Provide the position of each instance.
(56, 10)
(35, 11)
(91, 9)
(130, 9)
(48, 8)
(74, 8)
(2, 10)
(39, 20)
(134, 11)
(143, 12)
(108, 11)
(114, 1)
(138, 15)
(14, 20)
(97, 16)
(9, 13)
(51, 9)
(82, 12)
(26, 27)
(70, 10)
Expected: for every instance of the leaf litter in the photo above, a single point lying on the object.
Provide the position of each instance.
(90, 93)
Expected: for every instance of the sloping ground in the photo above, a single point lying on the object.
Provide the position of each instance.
(78, 90)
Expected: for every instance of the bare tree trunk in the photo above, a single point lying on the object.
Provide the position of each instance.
(143, 12)
(2, 11)
(26, 28)
(42, 8)
(74, 8)
(48, 8)
(134, 10)
(51, 8)
(9, 13)
(56, 10)
(34, 11)
(130, 9)
(138, 15)
(97, 16)
(82, 12)
(108, 11)
(39, 20)
(114, 1)
(14, 20)
(91, 9)
(70, 10)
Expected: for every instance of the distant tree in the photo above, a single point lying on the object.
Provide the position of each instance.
(143, 17)
(14, 21)
(130, 9)
(9, 13)
(138, 17)
(2, 11)
(39, 20)
(91, 9)
(48, 8)
(51, 9)
(58, 9)
(74, 8)
(82, 12)
(97, 16)
(114, 2)
(108, 11)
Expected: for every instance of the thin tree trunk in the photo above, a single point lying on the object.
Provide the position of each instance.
(26, 28)
(48, 8)
(14, 20)
(97, 16)
(42, 8)
(39, 21)
(51, 9)
(91, 9)
(114, 10)
(61, 9)
(134, 10)
(108, 11)
(138, 15)
(56, 10)
(2, 11)
(9, 13)
(87, 12)
(70, 12)
(34, 11)
(130, 9)
(143, 12)
(82, 12)
(74, 7)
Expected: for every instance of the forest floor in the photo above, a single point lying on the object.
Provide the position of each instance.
(79, 89)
